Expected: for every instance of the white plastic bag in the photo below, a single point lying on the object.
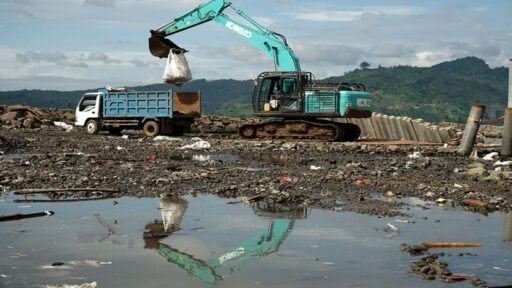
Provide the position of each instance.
(176, 68)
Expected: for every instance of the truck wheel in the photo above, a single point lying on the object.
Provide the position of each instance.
(92, 126)
(151, 129)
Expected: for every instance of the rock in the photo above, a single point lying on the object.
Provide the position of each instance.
(390, 194)
(29, 123)
(9, 116)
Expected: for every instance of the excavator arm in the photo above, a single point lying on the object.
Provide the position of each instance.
(271, 43)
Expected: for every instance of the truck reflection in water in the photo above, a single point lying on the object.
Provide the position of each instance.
(266, 242)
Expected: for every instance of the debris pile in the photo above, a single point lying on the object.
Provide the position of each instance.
(17, 116)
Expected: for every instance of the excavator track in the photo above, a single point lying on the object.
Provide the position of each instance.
(301, 129)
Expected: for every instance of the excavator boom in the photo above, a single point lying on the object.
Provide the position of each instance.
(271, 43)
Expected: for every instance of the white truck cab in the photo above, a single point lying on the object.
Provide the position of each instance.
(88, 108)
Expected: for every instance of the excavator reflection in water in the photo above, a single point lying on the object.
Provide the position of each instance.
(267, 242)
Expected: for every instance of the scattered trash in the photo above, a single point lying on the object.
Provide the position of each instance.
(315, 168)
(475, 203)
(24, 216)
(474, 155)
(166, 138)
(390, 194)
(119, 148)
(457, 185)
(285, 179)
(441, 201)
(151, 157)
(65, 126)
(450, 244)
(429, 267)
(199, 144)
(86, 285)
(126, 137)
(491, 156)
(504, 163)
(501, 269)
(253, 198)
(402, 221)
(361, 182)
(4, 276)
(392, 227)
(415, 155)
(340, 202)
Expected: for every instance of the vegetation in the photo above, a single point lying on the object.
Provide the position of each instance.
(443, 92)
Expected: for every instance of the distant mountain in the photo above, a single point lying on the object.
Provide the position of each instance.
(442, 92)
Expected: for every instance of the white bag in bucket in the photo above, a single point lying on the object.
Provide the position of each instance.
(176, 68)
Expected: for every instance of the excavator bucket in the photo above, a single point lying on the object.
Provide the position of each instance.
(160, 46)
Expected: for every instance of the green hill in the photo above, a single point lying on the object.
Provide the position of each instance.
(443, 92)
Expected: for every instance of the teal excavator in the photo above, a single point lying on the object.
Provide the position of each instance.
(264, 243)
(295, 104)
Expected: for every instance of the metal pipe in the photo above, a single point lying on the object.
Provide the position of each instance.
(506, 146)
(471, 130)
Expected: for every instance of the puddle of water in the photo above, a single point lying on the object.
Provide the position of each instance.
(199, 241)
(13, 156)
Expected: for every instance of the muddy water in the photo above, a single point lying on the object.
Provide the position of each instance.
(203, 241)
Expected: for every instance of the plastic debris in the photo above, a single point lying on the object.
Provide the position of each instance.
(473, 155)
(86, 285)
(119, 148)
(415, 155)
(285, 179)
(491, 156)
(504, 163)
(361, 182)
(65, 126)
(126, 137)
(176, 68)
(392, 227)
(198, 145)
(441, 200)
(457, 185)
(165, 138)
(151, 157)
(315, 168)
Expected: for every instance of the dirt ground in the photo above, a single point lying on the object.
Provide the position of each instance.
(364, 178)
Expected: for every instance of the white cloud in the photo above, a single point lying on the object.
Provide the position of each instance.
(346, 15)
(100, 3)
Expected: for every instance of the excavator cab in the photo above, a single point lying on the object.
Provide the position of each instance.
(279, 92)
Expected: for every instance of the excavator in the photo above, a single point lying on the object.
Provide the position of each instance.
(267, 241)
(293, 102)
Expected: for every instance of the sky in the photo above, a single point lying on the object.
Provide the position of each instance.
(80, 44)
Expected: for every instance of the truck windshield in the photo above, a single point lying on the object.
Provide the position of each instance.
(88, 103)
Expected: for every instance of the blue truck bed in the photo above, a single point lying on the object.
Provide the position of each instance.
(138, 104)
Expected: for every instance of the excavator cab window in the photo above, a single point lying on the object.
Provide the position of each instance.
(289, 98)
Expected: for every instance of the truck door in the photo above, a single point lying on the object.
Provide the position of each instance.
(88, 108)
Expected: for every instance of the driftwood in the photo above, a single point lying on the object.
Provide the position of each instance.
(450, 244)
(49, 190)
(24, 216)
(61, 200)
(474, 203)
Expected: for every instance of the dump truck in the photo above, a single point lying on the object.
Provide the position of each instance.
(155, 112)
